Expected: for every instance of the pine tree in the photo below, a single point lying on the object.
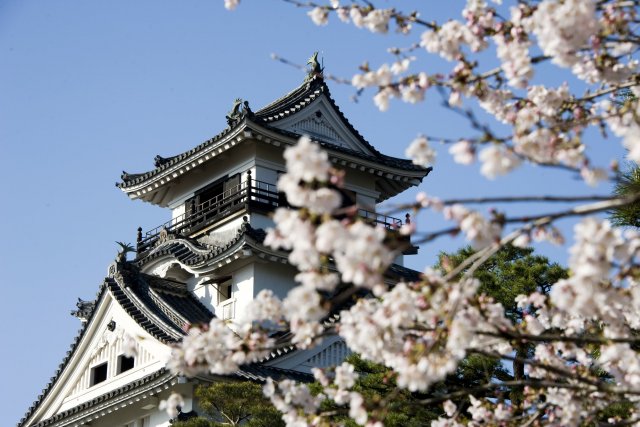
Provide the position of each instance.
(628, 184)
(231, 404)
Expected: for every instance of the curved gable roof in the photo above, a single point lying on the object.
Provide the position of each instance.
(268, 116)
(158, 305)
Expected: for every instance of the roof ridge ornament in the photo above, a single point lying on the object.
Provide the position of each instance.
(158, 160)
(125, 248)
(238, 111)
(315, 68)
(85, 309)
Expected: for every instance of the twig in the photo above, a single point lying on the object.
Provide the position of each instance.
(584, 339)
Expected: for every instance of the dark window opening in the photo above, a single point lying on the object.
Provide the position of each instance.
(211, 194)
(99, 374)
(125, 363)
(213, 199)
(225, 291)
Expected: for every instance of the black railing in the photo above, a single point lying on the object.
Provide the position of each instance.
(388, 222)
(248, 193)
(198, 216)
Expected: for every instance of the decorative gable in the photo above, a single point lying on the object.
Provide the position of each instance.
(331, 355)
(331, 352)
(109, 350)
(321, 121)
(96, 364)
(317, 126)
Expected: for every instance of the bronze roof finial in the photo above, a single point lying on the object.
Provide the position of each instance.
(315, 68)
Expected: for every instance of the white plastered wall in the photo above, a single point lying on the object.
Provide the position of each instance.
(106, 346)
(237, 160)
(275, 276)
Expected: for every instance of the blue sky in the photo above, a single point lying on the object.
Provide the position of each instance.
(93, 88)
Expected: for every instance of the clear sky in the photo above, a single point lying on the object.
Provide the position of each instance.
(88, 89)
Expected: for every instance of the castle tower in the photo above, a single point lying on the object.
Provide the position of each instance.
(209, 260)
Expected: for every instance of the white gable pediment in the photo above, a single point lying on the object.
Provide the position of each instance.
(102, 342)
(331, 352)
(317, 126)
(320, 121)
(109, 349)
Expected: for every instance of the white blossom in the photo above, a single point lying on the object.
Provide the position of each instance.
(497, 160)
(363, 257)
(345, 376)
(421, 152)
(306, 161)
(463, 152)
(319, 15)
(356, 409)
(450, 408)
(265, 306)
(423, 330)
(449, 39)
(231, 4)
(479, 230)
(562, 28)
(522, 241)
(377, 21)
(381, 99)
(172, 405)
(515, 59)
(593, 176)
(356, 16)
(130, 345)
(343, 14)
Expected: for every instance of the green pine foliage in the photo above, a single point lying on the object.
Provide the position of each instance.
(628, 182)
(393, 406)
(233, 404)
(510, 272)
(627, 185)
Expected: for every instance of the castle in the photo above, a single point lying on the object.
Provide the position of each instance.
(209, 260)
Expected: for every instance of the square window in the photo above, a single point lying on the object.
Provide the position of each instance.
(224, 291)
(99, 373)
(125, 363)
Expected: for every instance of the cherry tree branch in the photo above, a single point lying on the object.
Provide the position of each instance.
(579, 339)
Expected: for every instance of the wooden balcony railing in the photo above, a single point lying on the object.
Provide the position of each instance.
(249, 194)
(375, 218)
(259, 194)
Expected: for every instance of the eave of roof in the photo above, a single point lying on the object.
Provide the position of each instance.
(193, 254)
(190, 253)
(290, 104)
(260, 373)
(227, 135)
(155, 379)
(395, 162)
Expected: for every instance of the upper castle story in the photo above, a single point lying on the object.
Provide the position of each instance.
(232, 177)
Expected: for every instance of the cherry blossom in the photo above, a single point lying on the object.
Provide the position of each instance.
(231, 4)
(463, 152)
(319, 16)
(172, 405)
(421, 152)
(130, 345)
(577, 334)
(497, 161)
